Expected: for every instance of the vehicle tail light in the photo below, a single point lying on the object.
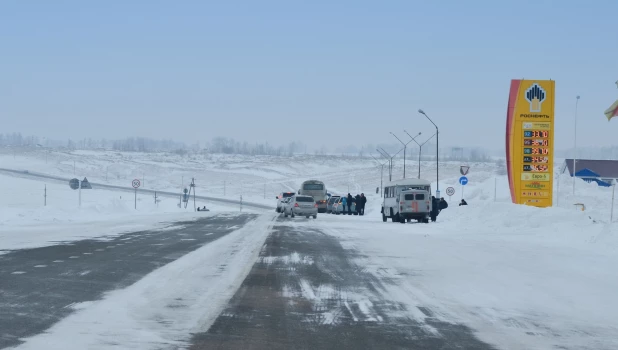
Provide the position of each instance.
(296, 205)
(315, 205)
(401, 202)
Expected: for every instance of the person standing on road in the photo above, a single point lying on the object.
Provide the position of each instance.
(435, 208)
(350, 201)
(443, 204)
(363, 202)
(344, 202)
(359, 204)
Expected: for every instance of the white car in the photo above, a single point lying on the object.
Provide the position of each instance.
(280, 198)
(301, 206)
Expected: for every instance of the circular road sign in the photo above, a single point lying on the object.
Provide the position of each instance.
(74, 183)
(463, 180)
(450, 191)
(135, 183)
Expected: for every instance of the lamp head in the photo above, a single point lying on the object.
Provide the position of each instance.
(421, 111)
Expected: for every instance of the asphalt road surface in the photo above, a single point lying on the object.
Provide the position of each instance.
(302, 293)
(38, 286)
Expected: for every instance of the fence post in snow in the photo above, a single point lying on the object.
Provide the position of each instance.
(611, 215)
(495, 187)
(558, 191)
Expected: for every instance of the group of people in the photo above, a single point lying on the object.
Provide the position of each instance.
(360, 200)
(437, 205)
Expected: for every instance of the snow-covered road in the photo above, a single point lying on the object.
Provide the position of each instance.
(147, 289)
(485, 276)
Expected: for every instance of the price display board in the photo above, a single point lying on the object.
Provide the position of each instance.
(530, 141)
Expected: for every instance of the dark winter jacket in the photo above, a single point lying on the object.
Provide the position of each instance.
(350, 199)
(435, 206)
(443, 204)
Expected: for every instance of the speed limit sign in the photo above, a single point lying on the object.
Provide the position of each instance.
(136, 183)
(450, 191)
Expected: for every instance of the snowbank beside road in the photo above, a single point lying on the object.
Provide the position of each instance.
(522, 277)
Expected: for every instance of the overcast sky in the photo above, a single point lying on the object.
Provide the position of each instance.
(319, 72)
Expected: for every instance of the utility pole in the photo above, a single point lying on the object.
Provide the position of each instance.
(611, 215)
(437, 153)
(390, 164)
(405, 145)
(420, 149)
(575, 146)
(73, 167)
(381, 175)
(193, 187)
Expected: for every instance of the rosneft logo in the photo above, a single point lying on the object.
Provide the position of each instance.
(535, 95)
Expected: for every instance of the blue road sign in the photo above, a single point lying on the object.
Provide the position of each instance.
(463, 180)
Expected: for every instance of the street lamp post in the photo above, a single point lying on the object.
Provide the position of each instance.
(390, 164)
(437, 153)
(575, 145)
(420, 149)
(381, 174)
(405, 145)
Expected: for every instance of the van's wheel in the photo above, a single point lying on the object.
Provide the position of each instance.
(285, 214)
(307, 216)
(395, 218)
(384, 218)
(425, 221)
(402, 219)
(315, 216)
(408, 220)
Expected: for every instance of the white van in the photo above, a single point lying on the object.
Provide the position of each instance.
(414, 204)
(391, 202)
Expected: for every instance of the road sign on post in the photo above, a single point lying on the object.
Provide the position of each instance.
(464, 169)
(86, 184)
(135, 185)
(450, 191)
(74, 183)
(463, 181)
